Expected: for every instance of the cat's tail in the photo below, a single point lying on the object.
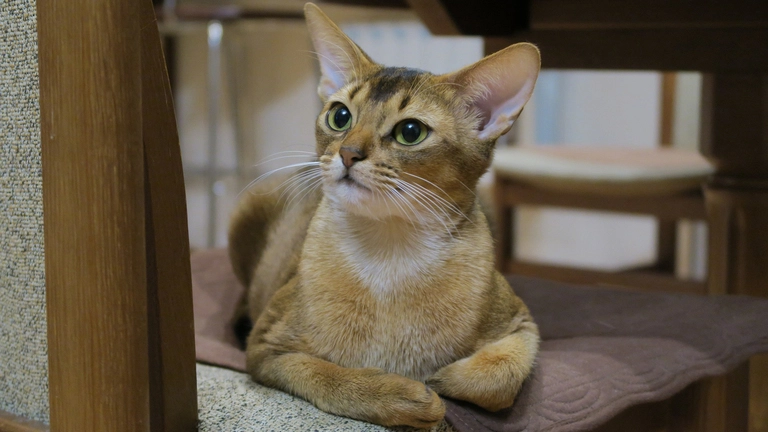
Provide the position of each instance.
(250, 224)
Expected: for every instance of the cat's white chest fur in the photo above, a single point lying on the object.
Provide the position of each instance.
(385, 294)
(390, 257)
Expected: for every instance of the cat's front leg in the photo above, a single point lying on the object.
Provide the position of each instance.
(492, 377)
(365, 394)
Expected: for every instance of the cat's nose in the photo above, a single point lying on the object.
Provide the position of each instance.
(350, 155)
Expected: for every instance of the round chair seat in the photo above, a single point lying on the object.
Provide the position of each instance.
(604, 171)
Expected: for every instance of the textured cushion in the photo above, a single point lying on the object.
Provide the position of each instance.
(611, 171)
(217, 294)
(603, 351)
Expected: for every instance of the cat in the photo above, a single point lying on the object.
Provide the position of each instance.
(376, 291)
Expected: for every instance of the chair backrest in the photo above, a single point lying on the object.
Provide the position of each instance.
(23, 344)
(96, 310)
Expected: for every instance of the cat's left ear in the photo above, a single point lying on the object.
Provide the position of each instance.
(341, 60)
(498, 86)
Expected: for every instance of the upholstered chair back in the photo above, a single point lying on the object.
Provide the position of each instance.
(23, 343)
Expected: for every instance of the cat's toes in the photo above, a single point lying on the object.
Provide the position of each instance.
(430, 410)
(458, 382)
(414, 404)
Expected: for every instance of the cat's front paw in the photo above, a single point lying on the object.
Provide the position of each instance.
(407, 402)
(463, 380)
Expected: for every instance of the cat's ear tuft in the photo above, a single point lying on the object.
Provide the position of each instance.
(499, 85)
(341, 60)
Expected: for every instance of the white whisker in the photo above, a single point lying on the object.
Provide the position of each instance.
(336, 65)
(467, 187)
(307, 189)
(421, 84)
(297, 179)
(428, 208)
(430, 198)
(351, 63)
(267, 174)
(395, 199)
(454, 207)
(272, 159)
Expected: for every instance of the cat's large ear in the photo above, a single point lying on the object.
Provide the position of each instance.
(499, 85)
(341, 60)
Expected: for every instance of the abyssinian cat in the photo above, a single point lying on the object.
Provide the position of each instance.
(377, 291)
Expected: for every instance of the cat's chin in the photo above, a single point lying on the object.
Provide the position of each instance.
(354, 198)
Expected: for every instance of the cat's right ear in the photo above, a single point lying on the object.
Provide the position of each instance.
(341, 60)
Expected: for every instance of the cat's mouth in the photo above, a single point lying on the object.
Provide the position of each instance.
(349, 181)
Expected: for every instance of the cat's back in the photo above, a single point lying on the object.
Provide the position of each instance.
(266, 235)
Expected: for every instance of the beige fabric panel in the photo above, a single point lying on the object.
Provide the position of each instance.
(23, 344)
(231, 401)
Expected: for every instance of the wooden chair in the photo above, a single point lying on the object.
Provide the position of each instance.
(96, 323)
(662, 183)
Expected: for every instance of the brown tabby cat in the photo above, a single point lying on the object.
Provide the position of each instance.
(383, 281)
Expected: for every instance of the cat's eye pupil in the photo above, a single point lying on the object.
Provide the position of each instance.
(342, 117)
(411, 131)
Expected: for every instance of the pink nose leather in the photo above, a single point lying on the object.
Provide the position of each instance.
(350, 155)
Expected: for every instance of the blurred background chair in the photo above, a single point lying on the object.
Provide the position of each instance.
(663, 183)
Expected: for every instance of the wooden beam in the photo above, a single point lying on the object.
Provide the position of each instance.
(649, 14)
(433, 14)
(171, 322)
(453, 17)
(733, 50)
(689, 206)
(629, 280)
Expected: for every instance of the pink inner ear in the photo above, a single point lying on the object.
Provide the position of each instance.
(501, 100)
(335, 69)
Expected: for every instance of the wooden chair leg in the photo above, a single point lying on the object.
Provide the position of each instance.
(758, 393)
(666, 245)
(719, 404)
(504, 228)
(173, 377)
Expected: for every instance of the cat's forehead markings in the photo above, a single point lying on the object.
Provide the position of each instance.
(354, 91)
(389, 80)
(404, 102)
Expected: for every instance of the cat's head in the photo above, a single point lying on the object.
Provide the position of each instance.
(404, 142)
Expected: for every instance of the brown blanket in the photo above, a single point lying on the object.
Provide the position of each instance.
(603, 351)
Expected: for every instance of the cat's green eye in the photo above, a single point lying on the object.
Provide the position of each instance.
(410, 132)
(339, 118)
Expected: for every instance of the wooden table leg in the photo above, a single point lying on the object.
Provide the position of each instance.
(735, 138)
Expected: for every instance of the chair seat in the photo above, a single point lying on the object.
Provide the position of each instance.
(230, 401)
(604, 171)
(602, 352)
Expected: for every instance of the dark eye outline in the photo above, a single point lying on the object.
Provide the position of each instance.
(331, 122)
(397, 132)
